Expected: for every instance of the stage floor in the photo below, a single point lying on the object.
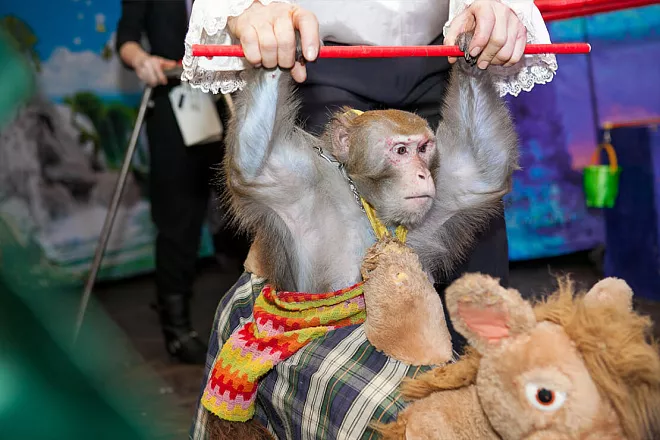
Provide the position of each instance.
(129, 303)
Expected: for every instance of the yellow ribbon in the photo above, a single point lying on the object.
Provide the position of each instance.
(379, 228)
(356, 111)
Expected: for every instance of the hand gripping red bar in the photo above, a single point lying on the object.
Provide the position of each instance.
(200, 50)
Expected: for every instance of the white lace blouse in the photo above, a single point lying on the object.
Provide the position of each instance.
(363, 22)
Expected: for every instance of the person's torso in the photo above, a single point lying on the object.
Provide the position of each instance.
(379, 22)
(166, 26)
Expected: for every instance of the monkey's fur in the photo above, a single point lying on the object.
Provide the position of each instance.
(312, 233)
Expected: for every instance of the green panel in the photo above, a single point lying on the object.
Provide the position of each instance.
(16, 79)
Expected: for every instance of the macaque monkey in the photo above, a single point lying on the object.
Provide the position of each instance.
(300, 193)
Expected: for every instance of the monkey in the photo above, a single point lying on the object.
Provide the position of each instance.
(300, 193)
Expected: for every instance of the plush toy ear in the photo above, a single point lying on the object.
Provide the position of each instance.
(340, 126)
(612, 291)
(486, 313)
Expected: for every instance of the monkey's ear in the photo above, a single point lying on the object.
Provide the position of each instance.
(340, 127)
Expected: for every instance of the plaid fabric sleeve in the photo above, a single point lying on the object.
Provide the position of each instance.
(234, 309)
(331, 389)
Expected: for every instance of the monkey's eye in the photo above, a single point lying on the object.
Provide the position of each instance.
(544, 399)
(401, 150)
(422, 148)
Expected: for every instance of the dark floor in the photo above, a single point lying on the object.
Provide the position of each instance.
(128, 303)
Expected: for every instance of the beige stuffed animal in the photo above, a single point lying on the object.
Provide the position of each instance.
(405, 317)
(571, 367)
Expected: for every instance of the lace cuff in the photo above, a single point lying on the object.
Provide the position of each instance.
(531, 69)
(208, 22)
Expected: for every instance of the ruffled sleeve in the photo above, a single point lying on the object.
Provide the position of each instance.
(531, 69)
(208, 22)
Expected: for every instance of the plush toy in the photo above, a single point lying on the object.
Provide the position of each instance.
(571, 367)
(405, 318)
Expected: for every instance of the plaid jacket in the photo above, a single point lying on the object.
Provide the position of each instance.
(331, 389)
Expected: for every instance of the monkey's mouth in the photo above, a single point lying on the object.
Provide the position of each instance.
(426, 196)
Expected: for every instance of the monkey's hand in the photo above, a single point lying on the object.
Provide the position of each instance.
(463, 42)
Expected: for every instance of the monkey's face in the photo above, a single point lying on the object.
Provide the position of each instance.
(405, 190)
(391, 157)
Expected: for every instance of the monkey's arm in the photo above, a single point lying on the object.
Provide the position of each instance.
(269, 161)
(478, 149)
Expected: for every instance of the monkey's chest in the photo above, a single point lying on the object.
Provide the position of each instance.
(328, 249)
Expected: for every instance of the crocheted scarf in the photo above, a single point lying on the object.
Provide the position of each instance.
(284, 322)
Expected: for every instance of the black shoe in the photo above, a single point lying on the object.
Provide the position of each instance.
(181, 341)
(185, 346)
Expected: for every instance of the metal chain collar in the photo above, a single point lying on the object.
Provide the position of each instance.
(342, 169)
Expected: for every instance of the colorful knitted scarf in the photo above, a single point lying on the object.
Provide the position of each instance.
(284, 322)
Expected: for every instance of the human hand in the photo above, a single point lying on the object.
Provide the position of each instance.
(150, 69)
(267, 35)
(499, 35)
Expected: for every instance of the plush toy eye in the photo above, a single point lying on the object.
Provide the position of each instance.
(543, 398)
(401, 150)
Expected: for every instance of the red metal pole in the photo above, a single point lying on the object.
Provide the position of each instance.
(565, 5)
(581, 8)
(199, 50)
(634, 123)
(551, 10)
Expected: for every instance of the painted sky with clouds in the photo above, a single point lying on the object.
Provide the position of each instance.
(68, 23)
(71, 35)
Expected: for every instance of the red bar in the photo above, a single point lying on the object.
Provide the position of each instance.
(199, 50)
(638, 123)
(593, 7)
(565, 5)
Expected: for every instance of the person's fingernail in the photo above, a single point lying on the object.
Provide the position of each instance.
(483, 65)
(311, 52)
(474, 52)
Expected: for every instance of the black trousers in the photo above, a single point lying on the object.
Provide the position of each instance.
(179, 187)
(412, 84)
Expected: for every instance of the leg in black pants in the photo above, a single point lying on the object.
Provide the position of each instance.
(415, 85)
(180, 188)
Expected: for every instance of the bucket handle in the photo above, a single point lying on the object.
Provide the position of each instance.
(611, 154)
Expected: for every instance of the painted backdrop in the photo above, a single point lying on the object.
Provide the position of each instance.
(546, 213)
(60, 156)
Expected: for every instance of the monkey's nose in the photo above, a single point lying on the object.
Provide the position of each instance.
(422, 175)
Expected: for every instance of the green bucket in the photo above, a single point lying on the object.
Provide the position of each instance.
(601, 182)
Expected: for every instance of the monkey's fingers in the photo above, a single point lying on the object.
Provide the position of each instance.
(299, 51)
(470, 59)
(463, 41)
